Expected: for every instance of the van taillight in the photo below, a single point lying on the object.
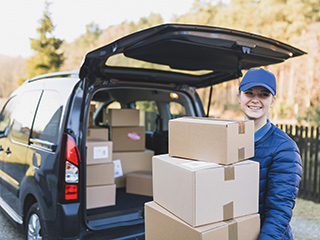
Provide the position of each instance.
(70, 174)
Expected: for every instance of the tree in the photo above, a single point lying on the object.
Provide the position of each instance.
(48, 58)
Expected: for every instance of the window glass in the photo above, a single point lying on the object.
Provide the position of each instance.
(148, 114)
(47, 122)
(114, 105)
(6, 114)
(177, 110)
(23, 116)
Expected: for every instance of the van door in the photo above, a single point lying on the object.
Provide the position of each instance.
(4, 126)
(15, 148)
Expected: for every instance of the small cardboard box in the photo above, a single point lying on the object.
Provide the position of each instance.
(132, 162)
(99, 151)
(121, 117)
(162, 225)
(140, 183)
(213, 140)
(203, 192)
(101, 196)
(128, 138)
(100, 174)
(98, 133)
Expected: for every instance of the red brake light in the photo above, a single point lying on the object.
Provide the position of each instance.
(69, 171)
(72, 152)
(71, 192)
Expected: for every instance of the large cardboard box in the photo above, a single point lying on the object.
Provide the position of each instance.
(121, 117)
(203, 192)
(101, 196)
(162, 225)
(98, 133)
(100, 174)
(132, 162)
(140, 183)
(99, 151)
(213, 140)
(128, 138)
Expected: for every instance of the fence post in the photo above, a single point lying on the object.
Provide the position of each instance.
(310, 183)
(305, 163)
(315, 173)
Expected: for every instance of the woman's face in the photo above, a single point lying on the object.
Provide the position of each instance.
(256, 102)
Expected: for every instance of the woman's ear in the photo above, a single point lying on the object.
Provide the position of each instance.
(238, 95)
(273, 100)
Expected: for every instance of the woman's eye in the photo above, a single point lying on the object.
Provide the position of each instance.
(264, 95)
(248, 93)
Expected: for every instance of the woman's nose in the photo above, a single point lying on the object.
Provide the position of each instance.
(255, 98)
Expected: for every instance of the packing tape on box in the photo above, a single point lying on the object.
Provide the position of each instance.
(240, 153)
(229, 173)
(242, 127)
(233, 231)
(228, 211)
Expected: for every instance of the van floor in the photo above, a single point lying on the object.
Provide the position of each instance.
(125, 203)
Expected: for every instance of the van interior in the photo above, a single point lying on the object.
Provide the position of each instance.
(156, 107)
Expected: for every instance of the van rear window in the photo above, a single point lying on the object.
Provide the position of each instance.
(47, 121)
(22, 116)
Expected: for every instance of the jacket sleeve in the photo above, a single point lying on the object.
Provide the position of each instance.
(283, 181)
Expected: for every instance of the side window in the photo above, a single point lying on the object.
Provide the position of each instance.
(6, 115)
(148, 114)
(23, 115)
(47, 122)
(177, 110)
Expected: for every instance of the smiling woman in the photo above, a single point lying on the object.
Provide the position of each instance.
(278, 155)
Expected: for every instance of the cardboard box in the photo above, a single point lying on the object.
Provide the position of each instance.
(128, 138)
(99, 151)
(162, 225)
(100, 174)
(121, 117)
(132, 162)
(213, 140)
(140, 183)
(98, 133)
(101, 196)
(203, 192)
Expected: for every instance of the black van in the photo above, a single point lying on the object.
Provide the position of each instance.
(44, 124)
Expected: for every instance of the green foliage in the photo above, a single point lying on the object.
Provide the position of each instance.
(283, 110)
(47, 58)
(312, 116)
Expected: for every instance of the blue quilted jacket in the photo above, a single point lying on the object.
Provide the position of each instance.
(280, 176)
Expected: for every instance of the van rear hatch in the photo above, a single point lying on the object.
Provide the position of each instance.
(199, 56)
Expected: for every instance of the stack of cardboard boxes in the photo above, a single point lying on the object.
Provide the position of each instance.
(116, 157)
(214, 197)
(133, 161)
(101, 189)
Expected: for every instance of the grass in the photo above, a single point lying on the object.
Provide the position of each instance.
(306, 220)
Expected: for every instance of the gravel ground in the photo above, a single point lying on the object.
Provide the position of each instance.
(305, 223)
(306, 220)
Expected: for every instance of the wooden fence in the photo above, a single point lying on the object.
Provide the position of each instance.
(307, 139)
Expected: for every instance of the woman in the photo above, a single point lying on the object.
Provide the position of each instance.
(277, 153)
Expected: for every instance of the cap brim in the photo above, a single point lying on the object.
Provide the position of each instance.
(251, 85)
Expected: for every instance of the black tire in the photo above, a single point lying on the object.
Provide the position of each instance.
(35, 226)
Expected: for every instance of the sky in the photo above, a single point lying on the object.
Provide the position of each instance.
(19, 19)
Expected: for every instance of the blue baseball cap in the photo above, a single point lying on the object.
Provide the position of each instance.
(259, 78)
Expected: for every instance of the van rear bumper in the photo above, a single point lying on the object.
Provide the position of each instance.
(68, 220)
